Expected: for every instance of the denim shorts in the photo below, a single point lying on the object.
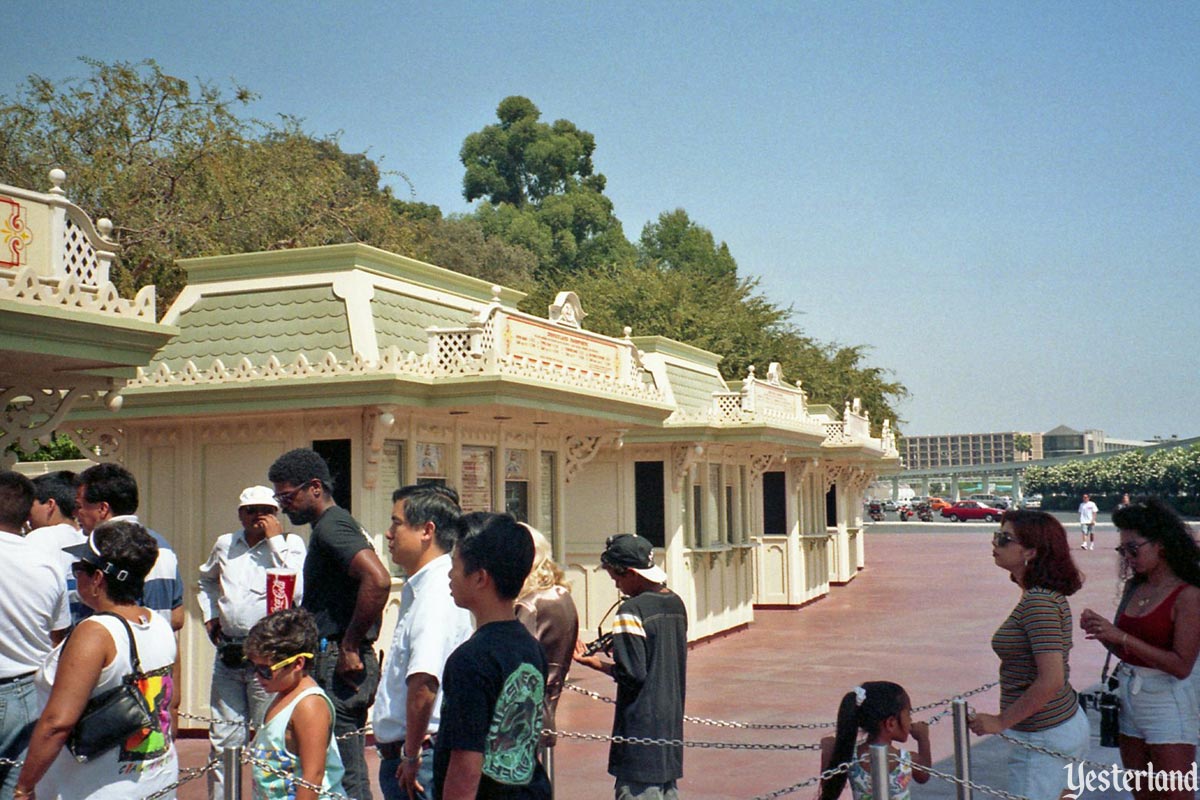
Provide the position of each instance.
(1156, 707)
(1039, 776)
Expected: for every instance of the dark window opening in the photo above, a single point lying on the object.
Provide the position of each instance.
(336, 453)
(649, 497)
(831, 507)
(774, 486)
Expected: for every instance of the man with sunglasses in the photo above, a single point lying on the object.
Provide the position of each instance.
(33, 607)
(233, 596)
(346, 587)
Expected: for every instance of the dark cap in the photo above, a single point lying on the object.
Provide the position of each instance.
(630, 551)
(89, 551)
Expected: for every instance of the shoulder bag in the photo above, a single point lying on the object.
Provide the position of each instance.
(112, 717)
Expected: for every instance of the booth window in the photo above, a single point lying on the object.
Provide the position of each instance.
(516, 484)
(831, 507)
(548, 510)
(774, 489)
(475, 487)
(649, 500)
(336, 453)
(431, 464)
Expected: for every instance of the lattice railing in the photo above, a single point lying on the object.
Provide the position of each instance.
(80, 259)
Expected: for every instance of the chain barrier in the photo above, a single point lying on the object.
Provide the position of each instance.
(185, 775)
(981, 787)
(795, 787)
(1055, 754)
(363, 731)
(639, 740)
(763, 726)
(267, 767)
(8, 762)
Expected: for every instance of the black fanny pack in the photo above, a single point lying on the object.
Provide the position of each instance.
(231, 654)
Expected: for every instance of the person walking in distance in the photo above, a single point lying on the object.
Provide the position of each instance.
(233, 596)
(1087, 522)
(345, 589)
(430, 626)
(649, 650)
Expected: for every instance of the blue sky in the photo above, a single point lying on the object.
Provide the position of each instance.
(1001, 200)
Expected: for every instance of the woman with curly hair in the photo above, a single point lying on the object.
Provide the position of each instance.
(1157, 636)
(1037, 704)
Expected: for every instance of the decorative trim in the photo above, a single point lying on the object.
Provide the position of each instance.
(579, 451)
(31, 416)
(105, 442)
(759, 464)
(378, 422)
(683, 458)
(25, 285)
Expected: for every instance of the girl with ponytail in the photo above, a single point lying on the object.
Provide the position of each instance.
(883, 712)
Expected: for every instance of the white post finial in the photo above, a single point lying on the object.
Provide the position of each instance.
(497, 289)
(750, 371)
(628, 331)
(105, 226)
(57, 178)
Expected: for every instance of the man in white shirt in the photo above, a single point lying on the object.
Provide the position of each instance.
(430, 627)
(52, 525)
(233, 596)
(35, 617)
(1087, 522)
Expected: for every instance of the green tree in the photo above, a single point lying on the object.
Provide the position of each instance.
(181, 174)
(1023, 443)
(542, 193)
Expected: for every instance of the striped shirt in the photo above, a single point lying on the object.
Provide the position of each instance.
(1040, 623)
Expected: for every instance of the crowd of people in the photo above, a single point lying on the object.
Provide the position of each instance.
(485, 635)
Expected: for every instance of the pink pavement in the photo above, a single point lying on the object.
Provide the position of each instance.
(922, 614)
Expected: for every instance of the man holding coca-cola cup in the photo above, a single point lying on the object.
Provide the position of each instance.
(250, 573)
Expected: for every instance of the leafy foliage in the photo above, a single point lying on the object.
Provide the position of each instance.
(1172, 471)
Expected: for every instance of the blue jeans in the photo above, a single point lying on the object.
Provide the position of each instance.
(351, 703)
(391, 786)
(18, 713)
(239, 701)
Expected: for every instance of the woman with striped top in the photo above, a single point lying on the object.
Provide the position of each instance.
(1037, 704)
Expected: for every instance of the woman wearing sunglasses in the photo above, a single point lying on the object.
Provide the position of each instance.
(110, 570)
(1156, 636)
(296, 738)
(1037, 704)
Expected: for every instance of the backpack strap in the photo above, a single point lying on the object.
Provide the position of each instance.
(133, 651)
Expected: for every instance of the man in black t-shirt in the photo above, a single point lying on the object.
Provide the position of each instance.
(494, 683)
(345, 588)
(649, 650)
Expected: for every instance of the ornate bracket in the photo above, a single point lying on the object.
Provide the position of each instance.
(377, 423)
(801, 468)
(30, 416)
(580, 450)
(760, 464)
(106, 442)
(683, 457)
(835, 473)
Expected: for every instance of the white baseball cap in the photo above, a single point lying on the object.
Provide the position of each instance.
(257, 496)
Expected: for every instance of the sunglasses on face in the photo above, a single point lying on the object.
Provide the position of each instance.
(266, 673)
(285, 498)
(1130, 549)
(1002, 539)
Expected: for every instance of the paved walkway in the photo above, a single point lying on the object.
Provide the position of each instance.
(922, 614)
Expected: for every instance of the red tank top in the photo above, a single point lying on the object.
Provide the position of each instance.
(1155, 629)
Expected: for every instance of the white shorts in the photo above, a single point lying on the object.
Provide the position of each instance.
(1156, 707)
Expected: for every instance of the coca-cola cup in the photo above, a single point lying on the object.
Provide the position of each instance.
(281, 588)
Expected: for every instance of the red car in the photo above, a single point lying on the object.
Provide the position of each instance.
(971, 509)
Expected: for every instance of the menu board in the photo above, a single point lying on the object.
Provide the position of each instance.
(475, 488)
(553, 346)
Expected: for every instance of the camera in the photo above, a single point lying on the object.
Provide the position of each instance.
(1110, 710)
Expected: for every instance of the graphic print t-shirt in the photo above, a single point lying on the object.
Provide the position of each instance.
(494, 685)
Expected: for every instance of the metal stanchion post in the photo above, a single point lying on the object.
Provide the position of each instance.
(962, 748)
(231, 762)
(548, 764)
(879, 772)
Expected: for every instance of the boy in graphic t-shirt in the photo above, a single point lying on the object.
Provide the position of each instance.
(494, 683)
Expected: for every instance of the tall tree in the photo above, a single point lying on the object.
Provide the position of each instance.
(541, 192)
(181, 174)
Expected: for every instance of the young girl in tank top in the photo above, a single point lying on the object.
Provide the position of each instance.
(296, 736)
(882, 711)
